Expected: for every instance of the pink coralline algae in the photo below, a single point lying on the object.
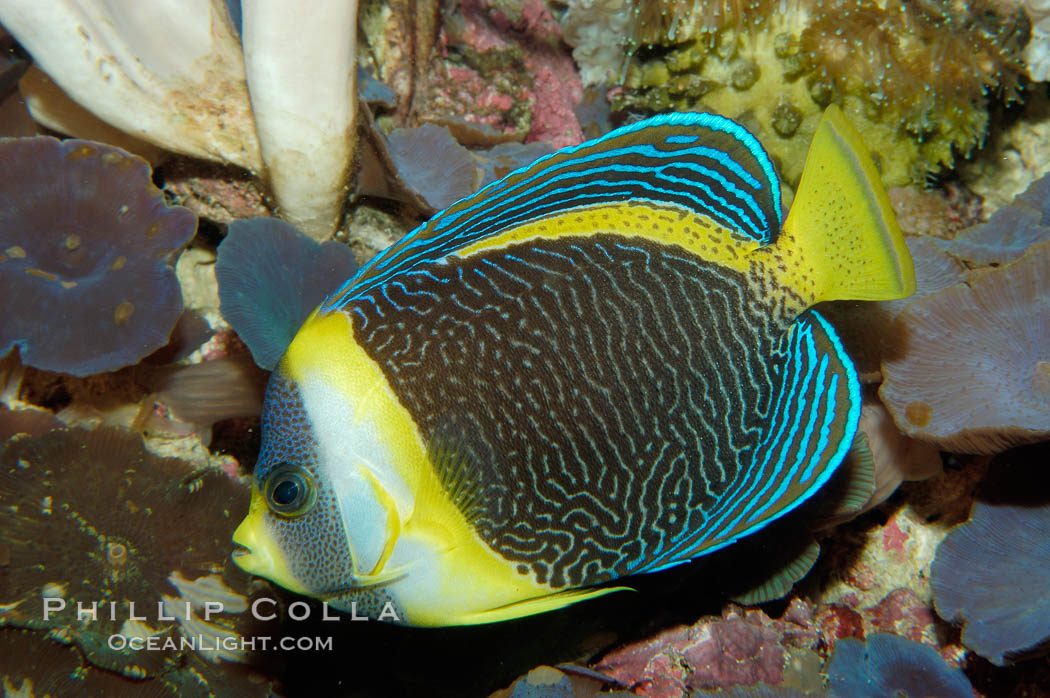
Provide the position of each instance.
(745, 647)
(504, 65)
(902, 613)
(740, 648)
(86, 251)
(556, 83)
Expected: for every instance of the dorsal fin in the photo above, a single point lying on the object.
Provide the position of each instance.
(841, 239)
(703, 164)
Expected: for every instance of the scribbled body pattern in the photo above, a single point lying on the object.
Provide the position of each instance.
(601, 363)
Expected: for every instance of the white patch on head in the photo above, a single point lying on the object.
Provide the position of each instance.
(348, 441)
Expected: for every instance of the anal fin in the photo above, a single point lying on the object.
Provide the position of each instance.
(540, 604)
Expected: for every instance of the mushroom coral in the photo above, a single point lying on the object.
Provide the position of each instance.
(33, 421)
(992, 573)
(1009, 232)
(889, 665)
(280, 102)
(34, 665)
(431, 163)
(92, 517)
(971, 372)
(431, 168)
(271, 277)
(86, 249)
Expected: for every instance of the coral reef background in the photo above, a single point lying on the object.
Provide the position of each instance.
(127, 440)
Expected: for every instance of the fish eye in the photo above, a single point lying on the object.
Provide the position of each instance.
(289, 490)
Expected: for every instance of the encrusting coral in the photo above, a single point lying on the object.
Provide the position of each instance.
(91, 517)
(86, 252)
(913, 77)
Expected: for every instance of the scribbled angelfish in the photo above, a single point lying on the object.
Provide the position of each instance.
(600, 365)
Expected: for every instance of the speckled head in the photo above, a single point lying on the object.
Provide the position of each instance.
(292, 504)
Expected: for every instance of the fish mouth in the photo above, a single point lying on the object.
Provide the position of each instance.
(247, 559)
(257, 553)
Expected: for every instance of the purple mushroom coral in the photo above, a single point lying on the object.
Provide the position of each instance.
(971, 373)
(1009, 232)
(86, 251)
(889, 665)
(992, 573)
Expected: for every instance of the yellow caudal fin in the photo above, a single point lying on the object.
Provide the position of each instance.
(841, 239)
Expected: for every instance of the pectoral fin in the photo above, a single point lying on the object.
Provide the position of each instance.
(393, 531)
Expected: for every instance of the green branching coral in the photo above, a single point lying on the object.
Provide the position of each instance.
(914, 77)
